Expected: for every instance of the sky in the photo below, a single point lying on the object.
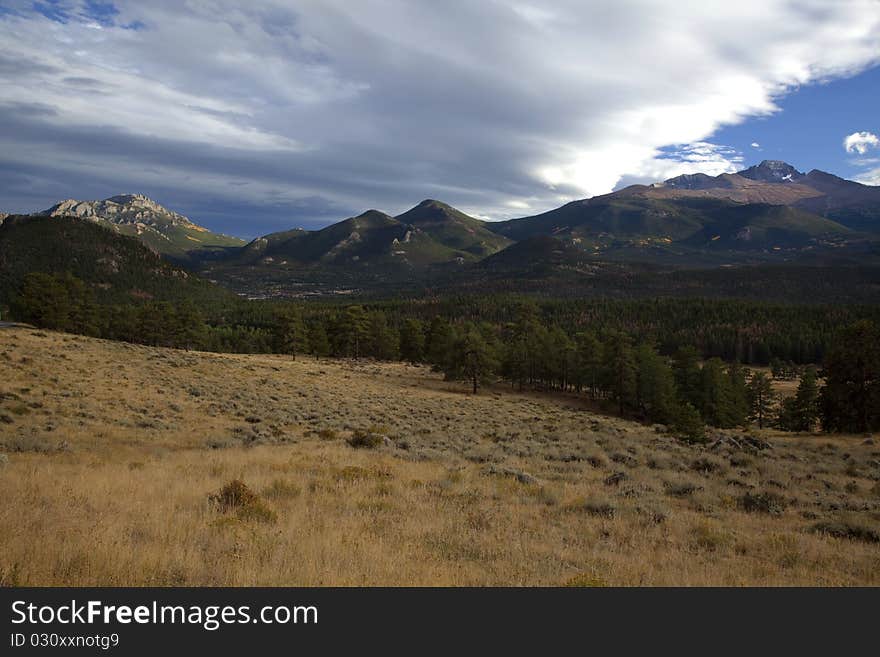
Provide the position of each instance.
(262, 116)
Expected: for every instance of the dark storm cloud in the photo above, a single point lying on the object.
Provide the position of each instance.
(252, 117)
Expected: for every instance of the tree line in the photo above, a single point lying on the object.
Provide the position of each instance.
(627, 373)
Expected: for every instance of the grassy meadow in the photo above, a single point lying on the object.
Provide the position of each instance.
(123, 465)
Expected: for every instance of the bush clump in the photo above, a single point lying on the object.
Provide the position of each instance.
(238, 498)
(849, 529)
(600, 508)
(364, 439)
(681, 488)
(763, 502)
(708, 465)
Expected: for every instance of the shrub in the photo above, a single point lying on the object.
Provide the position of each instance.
(328, 434)
(847, 528)
(29, 444)
(600, 508)
(364, 438)
(233, 495)
(706, 536)
(221, 442)
(237, 497)
(681, 488)
(708, 465)
(764, 502)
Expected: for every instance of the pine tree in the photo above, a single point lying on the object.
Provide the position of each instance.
(319, 343)
(471, 358)
(355, 327)
(154, 323)
(719, 406)
(688, 424)
(290, 334)
(438, 343)
(655, 385)
(526, 343)
(381, 342)
(42, 301)
(412, 341)
(189, 331)
(686, 368)
(560, 358)
(588, 362)
(804, 412)
(761, 398)
(738, 391)
(850, 399)
(619, 370)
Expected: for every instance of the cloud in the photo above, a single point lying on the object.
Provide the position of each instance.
(297, 111)
(860, 142)
(870, 177)
(755, 144)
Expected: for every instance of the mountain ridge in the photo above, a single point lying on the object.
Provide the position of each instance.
(430, 233)
(165, 231)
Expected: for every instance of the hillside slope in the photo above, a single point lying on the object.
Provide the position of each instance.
(502, 488)
(117, 267)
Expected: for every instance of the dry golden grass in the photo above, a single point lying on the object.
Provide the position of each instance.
(114, 451)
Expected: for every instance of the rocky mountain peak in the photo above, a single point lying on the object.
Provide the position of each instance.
(772, 171)
(430, 211)
(120, 209)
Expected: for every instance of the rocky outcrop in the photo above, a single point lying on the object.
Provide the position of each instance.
(123, 209)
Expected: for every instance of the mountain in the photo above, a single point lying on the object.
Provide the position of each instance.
(363, 238)
(453, 229)
(763, 212)
(778, 183)
(161, 229)
(116, 267)
(429, 234)
(772, 171)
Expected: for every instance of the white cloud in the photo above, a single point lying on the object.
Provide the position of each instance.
(860, 142)
(755, 144)
(871, 177)
(381, 102)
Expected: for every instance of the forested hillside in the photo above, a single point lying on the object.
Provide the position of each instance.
(113, 267)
